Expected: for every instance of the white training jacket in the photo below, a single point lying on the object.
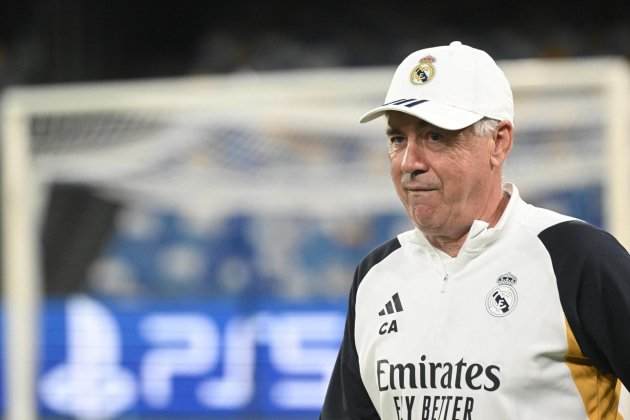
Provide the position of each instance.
(531, 321)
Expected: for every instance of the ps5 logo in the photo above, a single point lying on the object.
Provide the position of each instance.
(219, 359)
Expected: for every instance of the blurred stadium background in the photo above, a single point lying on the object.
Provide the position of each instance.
(187, 190)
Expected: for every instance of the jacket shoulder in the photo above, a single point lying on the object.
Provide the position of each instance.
(376, 256)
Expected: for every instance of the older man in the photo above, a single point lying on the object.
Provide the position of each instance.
(490, 308)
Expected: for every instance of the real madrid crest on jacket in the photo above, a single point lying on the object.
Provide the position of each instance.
(529, 321)
(502, 299)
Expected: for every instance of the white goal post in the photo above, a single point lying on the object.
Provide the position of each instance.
(317, 108)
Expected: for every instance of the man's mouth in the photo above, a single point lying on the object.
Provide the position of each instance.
(419, 189)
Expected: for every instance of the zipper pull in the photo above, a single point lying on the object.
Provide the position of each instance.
(444, 282)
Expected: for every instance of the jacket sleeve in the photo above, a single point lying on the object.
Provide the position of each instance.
(593, 274)
(347, 398)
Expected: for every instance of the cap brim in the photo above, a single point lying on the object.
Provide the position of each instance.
(440, 115)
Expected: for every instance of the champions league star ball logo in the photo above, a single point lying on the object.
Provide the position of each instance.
(423, 72)
(501, 300)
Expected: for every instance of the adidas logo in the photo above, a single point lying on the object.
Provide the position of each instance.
(394, 305)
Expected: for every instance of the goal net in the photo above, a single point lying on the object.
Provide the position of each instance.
(283, 150)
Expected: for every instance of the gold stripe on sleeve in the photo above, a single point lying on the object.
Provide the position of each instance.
(600, 393)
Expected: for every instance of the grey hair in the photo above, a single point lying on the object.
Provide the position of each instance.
(484, 127)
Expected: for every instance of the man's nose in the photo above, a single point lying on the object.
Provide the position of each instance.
(415, 158)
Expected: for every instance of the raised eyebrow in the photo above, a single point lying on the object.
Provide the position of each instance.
(392, 131)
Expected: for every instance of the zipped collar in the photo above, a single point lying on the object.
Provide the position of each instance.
(480, 236)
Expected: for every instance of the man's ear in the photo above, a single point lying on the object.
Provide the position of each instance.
(501, 144)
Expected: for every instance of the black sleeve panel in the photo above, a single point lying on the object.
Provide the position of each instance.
(593, 274)
(347, 398)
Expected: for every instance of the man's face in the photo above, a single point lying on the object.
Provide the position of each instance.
(442, 177)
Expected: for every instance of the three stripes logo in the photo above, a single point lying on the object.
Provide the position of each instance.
(394, 305)
(409, 103)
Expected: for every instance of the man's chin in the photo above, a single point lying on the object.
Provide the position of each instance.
(423, 216)
(428, 226)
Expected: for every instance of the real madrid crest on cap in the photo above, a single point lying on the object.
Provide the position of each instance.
(423, 72)
(502, 299)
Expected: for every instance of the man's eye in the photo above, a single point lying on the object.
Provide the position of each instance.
(435, 136)
(396, 140)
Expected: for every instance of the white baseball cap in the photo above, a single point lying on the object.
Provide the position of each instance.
(450, 87)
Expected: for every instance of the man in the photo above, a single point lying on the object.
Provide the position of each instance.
(491, 308)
